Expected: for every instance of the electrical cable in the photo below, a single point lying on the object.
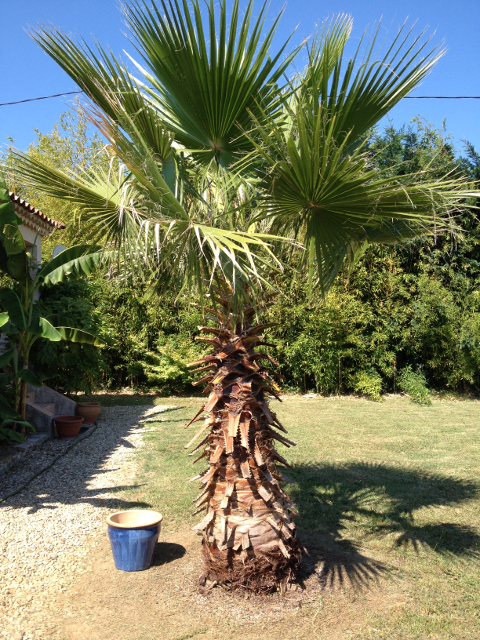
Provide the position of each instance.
(70, 93)
(56, 95)
(442, 98)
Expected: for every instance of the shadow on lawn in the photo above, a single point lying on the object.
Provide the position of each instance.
(379, 500)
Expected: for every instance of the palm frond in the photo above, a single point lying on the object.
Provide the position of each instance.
(107, 202)
(205, 91)
(358, 96)
(321, 186)
(197, 248)
(214, 163)
(96, 72)
(324, 53)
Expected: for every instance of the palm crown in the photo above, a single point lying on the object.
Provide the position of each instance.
(215, 155)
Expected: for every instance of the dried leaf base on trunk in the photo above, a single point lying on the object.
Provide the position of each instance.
(249, 538)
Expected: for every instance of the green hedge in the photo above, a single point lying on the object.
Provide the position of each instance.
(379, 320)
(148, 339)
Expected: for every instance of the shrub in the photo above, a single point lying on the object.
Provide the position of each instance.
(414, 384)
(71, 367)
(166, 367)
(369, 383)
(151, 336)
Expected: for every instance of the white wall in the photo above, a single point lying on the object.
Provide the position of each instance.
(33, 240)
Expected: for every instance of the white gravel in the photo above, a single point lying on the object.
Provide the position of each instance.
(47, 529)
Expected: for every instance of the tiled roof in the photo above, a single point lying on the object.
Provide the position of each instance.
(34, 218)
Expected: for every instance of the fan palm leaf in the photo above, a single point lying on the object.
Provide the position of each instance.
(127, 210)
(316, 176)
(371, 83)
(202, 93)
(206, 78)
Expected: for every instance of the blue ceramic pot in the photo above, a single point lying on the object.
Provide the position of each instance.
(133, 536)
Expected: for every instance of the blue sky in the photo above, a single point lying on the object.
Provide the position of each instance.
(27, 72)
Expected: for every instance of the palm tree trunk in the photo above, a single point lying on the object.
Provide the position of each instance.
(249, 538)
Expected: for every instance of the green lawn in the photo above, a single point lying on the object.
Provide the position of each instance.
(388, 502)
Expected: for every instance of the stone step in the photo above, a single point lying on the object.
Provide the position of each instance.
(43, 404)
(47, 407)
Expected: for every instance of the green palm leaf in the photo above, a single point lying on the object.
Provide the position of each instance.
(192, 246)
(358, 96)
(318, 181)
(205, 91)
(98, 198)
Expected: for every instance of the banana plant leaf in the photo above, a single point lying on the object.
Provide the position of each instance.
(10, 329)
(29, 377)
(6, 411)
(72, 334)
(16, 251)
(6, 433)
(11, 302)
(13, 240)
(6, 357)
(42, 327)
(83, 265)
(65, 263)
(5, 380)
(7, 210)
(7, 217)
(77, 335)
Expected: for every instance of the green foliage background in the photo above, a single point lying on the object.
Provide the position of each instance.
(414, 307)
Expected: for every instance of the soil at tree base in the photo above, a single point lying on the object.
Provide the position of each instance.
(167, 602)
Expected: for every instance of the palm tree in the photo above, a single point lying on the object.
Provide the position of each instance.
(223, 166)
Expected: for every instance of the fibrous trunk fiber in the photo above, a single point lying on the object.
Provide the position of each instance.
(249, 538)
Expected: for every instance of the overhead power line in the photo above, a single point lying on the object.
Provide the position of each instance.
(71, 93)
(442, 98)
(56, 95)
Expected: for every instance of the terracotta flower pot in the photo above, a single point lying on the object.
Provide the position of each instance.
(89, 411)
(68, 426)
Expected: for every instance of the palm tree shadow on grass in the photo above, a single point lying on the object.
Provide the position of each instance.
(381, 500)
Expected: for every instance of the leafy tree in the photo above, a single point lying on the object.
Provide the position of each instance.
(223, 171)
(71, 143)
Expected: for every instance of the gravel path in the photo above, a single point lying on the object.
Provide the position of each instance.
(47, 530)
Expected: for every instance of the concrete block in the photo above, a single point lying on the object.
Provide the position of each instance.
(43, 404)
